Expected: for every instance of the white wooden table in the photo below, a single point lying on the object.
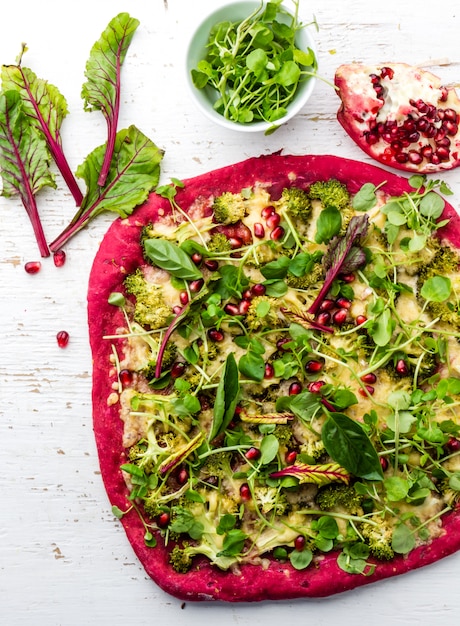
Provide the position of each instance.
(64, 559)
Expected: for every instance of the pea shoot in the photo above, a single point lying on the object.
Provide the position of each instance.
(254, 66)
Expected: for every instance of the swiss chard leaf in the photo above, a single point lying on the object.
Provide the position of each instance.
(134, 173)
(348, 444)
(101, 91)
(46, 109)
(24, 160)
(227, 395)
(343, 255)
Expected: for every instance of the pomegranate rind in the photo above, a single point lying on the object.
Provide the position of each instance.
(119, 254)
(361, 110)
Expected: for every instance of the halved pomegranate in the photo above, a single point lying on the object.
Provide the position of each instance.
(400, 115)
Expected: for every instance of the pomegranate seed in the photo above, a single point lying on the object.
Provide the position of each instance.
(177, 309)
(247, 295)
(182, 476)
(126, 377)
(163, 520)
(259, 230)
(258, 289)
(62, 338)
(232, 309)
(196, 258)
(453, 444)
(340, 317)
(277, 233)
(216, 335)
(299, 543)
(415, 157)
(374, 78)
(327, 305)
(401, 367)
(267, 211)
(384, 463)
(211, 264)
(370, 378)
(280, 344)
(269, 370)
(32, 267)
(243, 307)
(245, 492)
(387, 72)
(315, 386)
(295, 388)
(401, 157)
(235, 242)
(252, 454)
(59, 258)
(361, 319)
(443, 153)
(273, 220)
(177, 369)
(348, 278)
(323, 318)
(291, 456)
(451, 115)
(196, 285)
(313, 366)
(343, 303)
(368, 390)
(183, 297)
(444, 94)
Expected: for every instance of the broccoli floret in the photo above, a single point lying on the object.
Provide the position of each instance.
(229, 208)
(311, 279)
(270, 500)
(262, 313)
(379, 539)
(338, 496)
(296, 202)
(220, 466)
(199, 521)
(446, 263)
(150, 308)
(330, 193)
(284, 434)
(218, 243)
(181, 558)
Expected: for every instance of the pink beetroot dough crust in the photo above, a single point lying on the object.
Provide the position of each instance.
(119, 254)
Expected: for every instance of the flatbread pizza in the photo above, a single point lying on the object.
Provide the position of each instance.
(276, 378)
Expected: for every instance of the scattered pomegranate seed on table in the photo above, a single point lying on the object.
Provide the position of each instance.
(32, 267)
(62, 338)
(59, 258)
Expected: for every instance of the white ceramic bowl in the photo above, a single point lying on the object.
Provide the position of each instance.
(205, 98)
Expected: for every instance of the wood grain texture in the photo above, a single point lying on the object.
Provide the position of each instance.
(64, 559)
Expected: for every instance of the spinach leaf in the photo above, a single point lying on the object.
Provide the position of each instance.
(348, 444)
(227, 395)
(171, 258)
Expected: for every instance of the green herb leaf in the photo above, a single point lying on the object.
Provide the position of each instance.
(436, 289)
(170, 257)
(300, 559)
(252, 366)
(348, 444)
(328, 224)
(227, 396)
(403, 540)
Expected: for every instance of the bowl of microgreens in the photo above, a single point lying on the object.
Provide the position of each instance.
(251, 66)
